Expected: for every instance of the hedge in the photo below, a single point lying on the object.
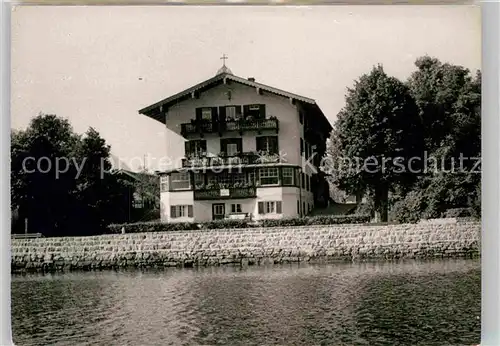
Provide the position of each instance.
(141, 227)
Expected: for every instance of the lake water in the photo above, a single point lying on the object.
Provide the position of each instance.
(410, 303)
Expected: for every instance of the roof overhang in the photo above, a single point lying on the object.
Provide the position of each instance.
(158, 110)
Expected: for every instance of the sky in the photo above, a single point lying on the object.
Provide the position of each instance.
(97, 66)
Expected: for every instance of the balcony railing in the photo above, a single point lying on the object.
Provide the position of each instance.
(248, 158)
(231, 193)
(251, 125)
(198, 127)
(237, 125)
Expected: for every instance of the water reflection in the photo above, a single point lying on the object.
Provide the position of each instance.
(415, 303)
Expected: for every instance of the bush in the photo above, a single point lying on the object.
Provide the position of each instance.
(221, 224)
(410, 209)
(140, 227)
(458, 212)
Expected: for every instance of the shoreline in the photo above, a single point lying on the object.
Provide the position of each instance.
(248, 247)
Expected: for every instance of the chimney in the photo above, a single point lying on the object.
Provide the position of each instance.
(251, 79)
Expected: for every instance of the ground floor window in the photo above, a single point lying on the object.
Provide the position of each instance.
(270, 207)
(181, 211)
(298, 207)
(236, 208)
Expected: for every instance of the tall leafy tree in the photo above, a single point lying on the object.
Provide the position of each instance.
(449, 100)
(42, 194)
(58, 182)
(102, 197)
(377, 132)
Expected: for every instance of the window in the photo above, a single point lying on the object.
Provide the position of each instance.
(230, 113)
(268, 176)
(181, 211)
(306, 144)
(267, 144)
(304, 207)
(195, 148)
(301, 146)
(298, 207)
(251, 178)
(288, 175)
(232, 149)
(164, 183)
(307, 182)
(227, 179)
(180, 181)
(255, 111)
(199, 180)
(206, 113)
(236, 208)
(301, 117)
(270, 207)
(231, 146)
(303, 176)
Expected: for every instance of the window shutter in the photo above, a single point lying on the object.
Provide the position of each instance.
(238, 111)
(190, 211)
(223, 145)
(274, 145)
(222, 114)
(187, 148)
(198, 114)
(278, 207)
(172, 211)
(246, 110)
(262, 112)
(214, 114)
(259, 143)
(261, 207)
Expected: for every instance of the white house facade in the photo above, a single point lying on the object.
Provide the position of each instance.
(250, 151)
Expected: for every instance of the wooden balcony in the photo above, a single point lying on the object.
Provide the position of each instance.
(240, 126)
(231, 193)
(248, 158)
(198, 128)
(251, 125)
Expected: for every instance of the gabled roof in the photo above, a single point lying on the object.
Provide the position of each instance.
(157, 109)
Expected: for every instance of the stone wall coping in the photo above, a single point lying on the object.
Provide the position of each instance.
(336, 227)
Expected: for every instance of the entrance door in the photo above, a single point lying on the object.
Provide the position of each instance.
(218, 211)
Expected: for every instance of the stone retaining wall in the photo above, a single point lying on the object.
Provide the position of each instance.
(248, 246)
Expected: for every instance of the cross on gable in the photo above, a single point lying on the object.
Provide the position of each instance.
(224, 58)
